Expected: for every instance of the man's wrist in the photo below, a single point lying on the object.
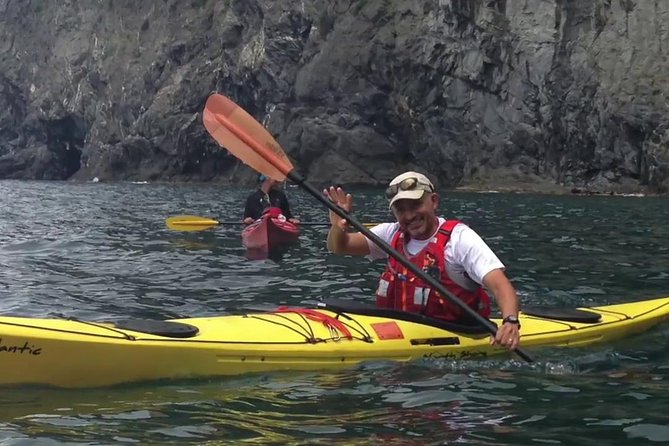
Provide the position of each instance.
(511, 319)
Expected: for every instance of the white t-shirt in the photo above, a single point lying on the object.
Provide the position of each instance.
(468, 258)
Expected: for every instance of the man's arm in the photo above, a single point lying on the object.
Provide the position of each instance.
(483, 266)
(508, 334)
(340, 241)
(505, 295)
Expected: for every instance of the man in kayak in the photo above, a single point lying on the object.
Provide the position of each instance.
(268, 195)
(445, 249)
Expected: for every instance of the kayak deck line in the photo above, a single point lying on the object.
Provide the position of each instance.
(602, 310)
(123, 335)
(625, 316)
(576, 325)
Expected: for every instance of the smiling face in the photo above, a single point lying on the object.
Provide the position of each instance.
(418, 217)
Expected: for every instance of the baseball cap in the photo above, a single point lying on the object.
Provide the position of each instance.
(408, 186)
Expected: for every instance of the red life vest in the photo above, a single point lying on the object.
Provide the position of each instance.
(400, 289)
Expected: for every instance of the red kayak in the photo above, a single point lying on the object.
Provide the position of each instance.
(269, 231)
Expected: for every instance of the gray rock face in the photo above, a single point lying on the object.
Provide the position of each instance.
(531, 94)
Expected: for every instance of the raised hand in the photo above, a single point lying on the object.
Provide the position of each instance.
(345, 201)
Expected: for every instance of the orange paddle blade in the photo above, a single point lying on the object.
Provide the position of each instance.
(233, 128)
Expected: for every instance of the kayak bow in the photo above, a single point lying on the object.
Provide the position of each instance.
(268, 233)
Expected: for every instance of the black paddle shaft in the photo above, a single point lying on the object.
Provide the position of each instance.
(302, 223)
(434, 283)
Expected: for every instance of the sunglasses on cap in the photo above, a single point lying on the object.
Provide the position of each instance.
(410, 183)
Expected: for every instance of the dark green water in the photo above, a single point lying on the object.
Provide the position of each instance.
(102, 251)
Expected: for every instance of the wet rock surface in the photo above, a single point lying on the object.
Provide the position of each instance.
(545, 95)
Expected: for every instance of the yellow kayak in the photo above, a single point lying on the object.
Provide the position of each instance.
(73, 353)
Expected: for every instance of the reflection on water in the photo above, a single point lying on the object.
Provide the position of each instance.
(384, 402)
(276, 254)
(102, 251)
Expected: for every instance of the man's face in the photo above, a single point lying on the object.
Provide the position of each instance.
(417, 217)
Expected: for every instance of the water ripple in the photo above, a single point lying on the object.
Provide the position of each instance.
(101, 252)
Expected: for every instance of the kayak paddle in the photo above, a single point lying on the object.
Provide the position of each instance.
(233, 128)
(194, 223)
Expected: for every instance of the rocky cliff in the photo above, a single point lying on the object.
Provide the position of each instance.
(529, 94)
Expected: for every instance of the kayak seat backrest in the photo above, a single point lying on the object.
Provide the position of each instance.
(562, 314)
(352, 307)
(158, 328)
